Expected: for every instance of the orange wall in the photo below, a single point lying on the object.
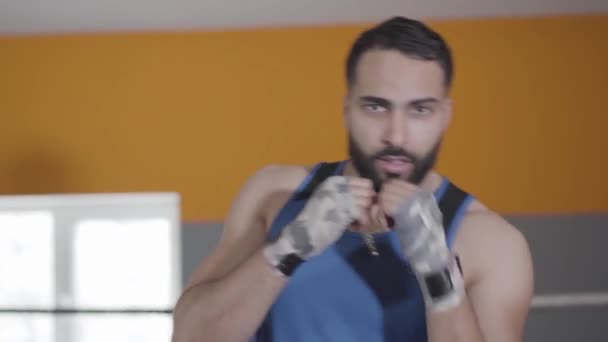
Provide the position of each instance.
(198, 112)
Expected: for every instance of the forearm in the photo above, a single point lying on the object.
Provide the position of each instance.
(229, 309)
(449, 313)
(454, 325)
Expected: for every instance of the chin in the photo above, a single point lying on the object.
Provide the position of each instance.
(400, 176)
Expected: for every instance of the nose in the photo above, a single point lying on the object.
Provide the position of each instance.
(394, 130)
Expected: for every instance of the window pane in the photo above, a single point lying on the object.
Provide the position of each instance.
(120, 328)
(26, 328)
(26, 260)
(123, 264)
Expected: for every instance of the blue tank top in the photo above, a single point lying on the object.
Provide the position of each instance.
(345, 293)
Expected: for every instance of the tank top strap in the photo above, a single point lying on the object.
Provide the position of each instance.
(453, 204)
(297, 200)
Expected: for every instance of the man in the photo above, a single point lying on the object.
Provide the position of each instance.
(376, 248)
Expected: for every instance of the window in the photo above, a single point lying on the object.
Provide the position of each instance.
(88, 267)
(27, 259)
(139, 254)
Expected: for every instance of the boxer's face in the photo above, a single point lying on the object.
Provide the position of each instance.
(396, 113)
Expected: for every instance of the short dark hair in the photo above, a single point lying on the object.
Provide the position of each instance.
(408, 36)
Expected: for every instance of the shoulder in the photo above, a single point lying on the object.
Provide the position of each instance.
(498, 271)
(488, 228)
(274, 177)
(487, 242)
(269, 187)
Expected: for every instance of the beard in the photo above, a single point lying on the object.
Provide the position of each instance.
(364, 164)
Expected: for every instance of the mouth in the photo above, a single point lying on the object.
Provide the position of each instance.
(395, 164)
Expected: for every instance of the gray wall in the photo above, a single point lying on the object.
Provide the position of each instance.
(569, 258)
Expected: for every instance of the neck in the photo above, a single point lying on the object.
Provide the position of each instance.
(431, 181)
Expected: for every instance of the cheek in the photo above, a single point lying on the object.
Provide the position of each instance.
(362, 126)
(424, 136)
(352, 122)
(366, 133)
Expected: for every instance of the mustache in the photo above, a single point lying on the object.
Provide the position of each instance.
(392, 151)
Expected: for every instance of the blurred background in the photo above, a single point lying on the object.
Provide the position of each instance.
(128, 127)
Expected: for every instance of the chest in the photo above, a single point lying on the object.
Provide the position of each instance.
(348, 291)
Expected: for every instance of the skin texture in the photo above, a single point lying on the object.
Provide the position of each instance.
(396, 103)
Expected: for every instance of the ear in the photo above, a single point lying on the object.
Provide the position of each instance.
(447, 114)
(345, 111)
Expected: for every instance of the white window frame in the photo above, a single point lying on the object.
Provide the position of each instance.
(68, 209)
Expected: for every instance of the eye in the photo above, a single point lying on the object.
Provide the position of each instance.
(374, 108)
(421, 111)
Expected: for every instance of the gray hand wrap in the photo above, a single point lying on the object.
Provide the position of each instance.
(419, 225)
(326, 216)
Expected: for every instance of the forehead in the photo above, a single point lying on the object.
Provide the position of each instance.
(394, 76)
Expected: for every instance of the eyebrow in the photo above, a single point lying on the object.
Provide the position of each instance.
(375, 100)
(386, 103)
(423, 101)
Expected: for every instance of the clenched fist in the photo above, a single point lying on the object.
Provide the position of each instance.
(418, 222)
(332, 208)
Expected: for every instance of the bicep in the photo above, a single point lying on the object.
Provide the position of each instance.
(501, 295)
(243, 233)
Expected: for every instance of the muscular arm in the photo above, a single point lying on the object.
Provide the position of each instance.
(500, 285)
(235, 283)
